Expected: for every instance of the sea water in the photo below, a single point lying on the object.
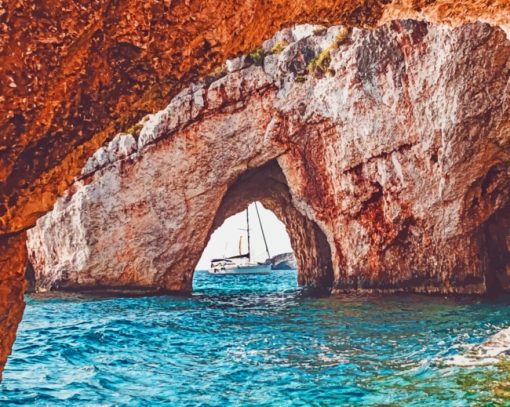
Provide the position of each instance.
(258, 340)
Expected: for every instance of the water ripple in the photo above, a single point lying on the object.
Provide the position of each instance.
(255, 341)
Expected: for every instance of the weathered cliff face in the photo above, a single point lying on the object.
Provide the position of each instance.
(386, 153)
(74, 74)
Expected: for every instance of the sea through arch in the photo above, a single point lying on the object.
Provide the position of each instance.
(249, 252)
(254, 235)
(266, 185)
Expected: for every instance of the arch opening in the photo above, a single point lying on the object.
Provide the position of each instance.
(256, 241)
(267, 238)
(267, 184)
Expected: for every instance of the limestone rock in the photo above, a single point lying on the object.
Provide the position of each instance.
(13, 260)
(284, 261)
(62, 101)
(384, 154)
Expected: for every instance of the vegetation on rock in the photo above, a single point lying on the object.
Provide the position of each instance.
(279, 47)
(320, 64)
(257, 56)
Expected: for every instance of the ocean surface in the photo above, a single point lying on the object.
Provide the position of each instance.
(246, 341)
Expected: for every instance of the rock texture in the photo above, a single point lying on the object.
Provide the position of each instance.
(284, 261)
(74, 74)
(12, 287)
(386, 153)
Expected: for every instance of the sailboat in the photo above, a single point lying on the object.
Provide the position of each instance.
(242, 263)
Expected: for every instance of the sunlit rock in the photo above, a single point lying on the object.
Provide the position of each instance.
(491, 352)
(284, 261)
(384, 152)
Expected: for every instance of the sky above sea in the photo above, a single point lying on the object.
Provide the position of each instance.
(225, 240)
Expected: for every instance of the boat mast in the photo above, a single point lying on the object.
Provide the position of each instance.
(262, 229)
(248, 232)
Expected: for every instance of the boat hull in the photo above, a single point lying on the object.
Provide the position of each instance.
(241, 270)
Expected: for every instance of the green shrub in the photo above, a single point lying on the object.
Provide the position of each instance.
(279, 47)
(137, 128)
(320, 64)
(257, 56)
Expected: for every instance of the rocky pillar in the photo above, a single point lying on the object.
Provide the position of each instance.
(13, 258)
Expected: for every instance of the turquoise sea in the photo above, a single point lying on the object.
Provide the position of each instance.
(255, 341)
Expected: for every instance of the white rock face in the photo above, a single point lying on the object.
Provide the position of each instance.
(395, 154)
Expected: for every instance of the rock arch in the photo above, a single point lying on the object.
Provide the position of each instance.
(96, 271)
(268, 185)
(380, 165)
(397, 177)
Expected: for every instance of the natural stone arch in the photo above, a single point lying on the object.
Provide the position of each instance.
(357, 148)
(268, 185)
(83, 243)
(360, 171)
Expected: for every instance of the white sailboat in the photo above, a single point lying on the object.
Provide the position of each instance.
(242, 263)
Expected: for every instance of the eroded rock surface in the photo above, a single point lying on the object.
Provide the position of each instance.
(75, 73)
(386, 153)
(12, 288)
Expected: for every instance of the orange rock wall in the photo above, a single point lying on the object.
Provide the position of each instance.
(73, 75)
(13, 254)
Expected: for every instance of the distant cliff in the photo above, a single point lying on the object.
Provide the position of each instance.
(284, 261)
